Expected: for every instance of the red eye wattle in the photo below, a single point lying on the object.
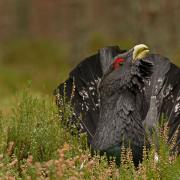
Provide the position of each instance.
(117, 62)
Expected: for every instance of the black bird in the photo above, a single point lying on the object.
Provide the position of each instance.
(122, 94)
(121, 106)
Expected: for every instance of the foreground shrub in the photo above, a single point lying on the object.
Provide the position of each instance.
(36, 145)
(34, 128)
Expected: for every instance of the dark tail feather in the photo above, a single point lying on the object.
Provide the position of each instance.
(81, 88)
(171, 105)
(162, 95)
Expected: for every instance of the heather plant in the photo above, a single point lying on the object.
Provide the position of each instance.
(33, 128)
(35, 144)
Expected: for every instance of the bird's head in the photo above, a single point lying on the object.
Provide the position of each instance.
(138, 52)
(133, 63)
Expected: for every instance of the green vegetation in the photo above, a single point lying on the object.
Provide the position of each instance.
(44, 62)
(40, 41)
(34, 144)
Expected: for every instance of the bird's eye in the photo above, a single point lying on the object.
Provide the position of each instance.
(117, 62)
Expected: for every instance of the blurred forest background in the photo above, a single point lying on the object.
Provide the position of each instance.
(41, 40)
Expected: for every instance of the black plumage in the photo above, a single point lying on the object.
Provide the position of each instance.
(119, 106)
(120, 119)
(85, 79)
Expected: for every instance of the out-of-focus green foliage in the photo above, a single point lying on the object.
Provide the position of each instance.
(45, 63)
(42, 40)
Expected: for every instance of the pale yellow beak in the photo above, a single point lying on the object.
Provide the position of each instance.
(140, 51)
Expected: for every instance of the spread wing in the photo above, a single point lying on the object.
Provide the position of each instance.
(85, 79)
(171, 104)
(163, 96)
